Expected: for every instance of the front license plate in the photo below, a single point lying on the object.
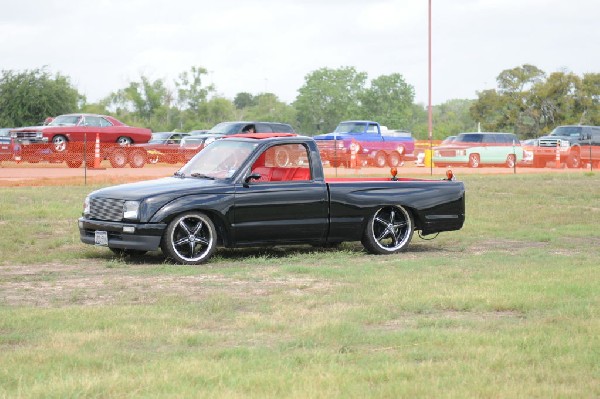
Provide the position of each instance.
(101, 238)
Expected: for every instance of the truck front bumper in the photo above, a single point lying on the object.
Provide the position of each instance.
(139, 236)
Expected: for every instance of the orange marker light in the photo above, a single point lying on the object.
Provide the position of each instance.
(449, 175)
(394, 172)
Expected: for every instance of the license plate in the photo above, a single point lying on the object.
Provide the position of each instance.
(101, 238)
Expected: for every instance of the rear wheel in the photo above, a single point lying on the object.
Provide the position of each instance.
(574, 161)
(394, 159)
(474, 160)
(190, 238)
(380, 159)
(388, 231)
(510, 161)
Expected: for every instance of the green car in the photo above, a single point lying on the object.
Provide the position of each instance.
(479, 149)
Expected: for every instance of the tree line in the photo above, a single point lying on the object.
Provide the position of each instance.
(526, 101)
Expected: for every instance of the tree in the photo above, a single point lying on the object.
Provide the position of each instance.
(388, 101)
(143, 102)
(28, 97)
(327, 97)
(190, 93)
(268, 108)
(244, 100)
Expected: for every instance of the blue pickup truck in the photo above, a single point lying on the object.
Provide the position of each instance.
(361, 143)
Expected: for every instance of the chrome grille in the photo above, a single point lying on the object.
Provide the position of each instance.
(106, 209)
(27, 135)
(548, 142)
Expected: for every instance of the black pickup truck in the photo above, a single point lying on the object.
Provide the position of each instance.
(266, 189)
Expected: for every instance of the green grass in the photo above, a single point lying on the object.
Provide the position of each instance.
(507, 307)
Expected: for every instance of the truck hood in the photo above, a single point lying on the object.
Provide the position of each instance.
(164, 188)
(333, 136)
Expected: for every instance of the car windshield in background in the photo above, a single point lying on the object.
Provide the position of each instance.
(220, 160)
(159, 138)
(350, 128)
(468, 138)
(65, 120)
(566, 131)
(224, 128)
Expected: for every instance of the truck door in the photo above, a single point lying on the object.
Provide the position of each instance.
(285, 204)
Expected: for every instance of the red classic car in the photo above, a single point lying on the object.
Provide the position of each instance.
(79, 128)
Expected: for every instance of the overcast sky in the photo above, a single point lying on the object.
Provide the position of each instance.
(260, 46)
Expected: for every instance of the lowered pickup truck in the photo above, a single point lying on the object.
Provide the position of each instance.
(234, 194)
(359, 143)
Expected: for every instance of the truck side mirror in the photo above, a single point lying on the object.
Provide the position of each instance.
(252, 176)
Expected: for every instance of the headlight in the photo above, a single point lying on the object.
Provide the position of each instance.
(564, 143)
(130, 209)
(209, 141)
(86, 206)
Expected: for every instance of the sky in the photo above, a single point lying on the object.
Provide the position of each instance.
(259, 46)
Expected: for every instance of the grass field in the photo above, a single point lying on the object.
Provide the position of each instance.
(507, 307)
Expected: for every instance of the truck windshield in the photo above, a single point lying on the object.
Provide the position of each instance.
(567, 131)
(219, 160)
(350, 127)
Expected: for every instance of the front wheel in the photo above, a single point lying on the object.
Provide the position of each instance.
(118, 158)
(474, 160)
(380, 159)
(137, 159)
(124, 141)
(59, 143)
(190, 238)
(388, 231)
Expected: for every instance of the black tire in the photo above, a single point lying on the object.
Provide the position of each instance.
(118, 158)
(59, 143)
(380, 159)
(122, 252)
(394, 159)
(574, 161)
(474, 160)
(190, 239)
(388, 231)
(124, 141)
(137, 159)
(511, 161)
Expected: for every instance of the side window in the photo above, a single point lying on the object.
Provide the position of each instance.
(104, 123)
(489, 139)
(92, 121)
(372, 128)
(283, 163)
(596, 135)
(263, 128)
(281, 128)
